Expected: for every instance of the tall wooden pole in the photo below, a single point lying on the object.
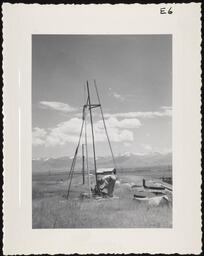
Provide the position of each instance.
(83, 164)
(91, 120)
(114, 162)
(87, 156)
(74, 161)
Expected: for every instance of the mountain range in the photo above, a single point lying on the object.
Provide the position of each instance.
(126, 160)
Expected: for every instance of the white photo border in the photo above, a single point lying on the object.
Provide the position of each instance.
(20, 21)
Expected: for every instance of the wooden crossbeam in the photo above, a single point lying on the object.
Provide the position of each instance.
(92, 106)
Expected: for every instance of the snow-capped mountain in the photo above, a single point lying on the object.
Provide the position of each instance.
(126, 160)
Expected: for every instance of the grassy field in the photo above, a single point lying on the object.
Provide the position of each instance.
(52, 210)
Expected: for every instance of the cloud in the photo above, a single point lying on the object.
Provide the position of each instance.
(127, 144)
(59, 106)
(115, 135)
(113, 122)
(154, 149)
(39, 136)
(147, 147)
(118, 96)
(165, 111)
(163, 151)
(124, 97)
(66, 132)
(118, 131)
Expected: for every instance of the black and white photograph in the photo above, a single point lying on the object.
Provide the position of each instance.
(102, 131)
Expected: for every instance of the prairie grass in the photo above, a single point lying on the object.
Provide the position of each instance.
(52, 210)
(121, 213)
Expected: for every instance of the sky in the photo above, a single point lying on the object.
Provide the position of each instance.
(134, 79)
